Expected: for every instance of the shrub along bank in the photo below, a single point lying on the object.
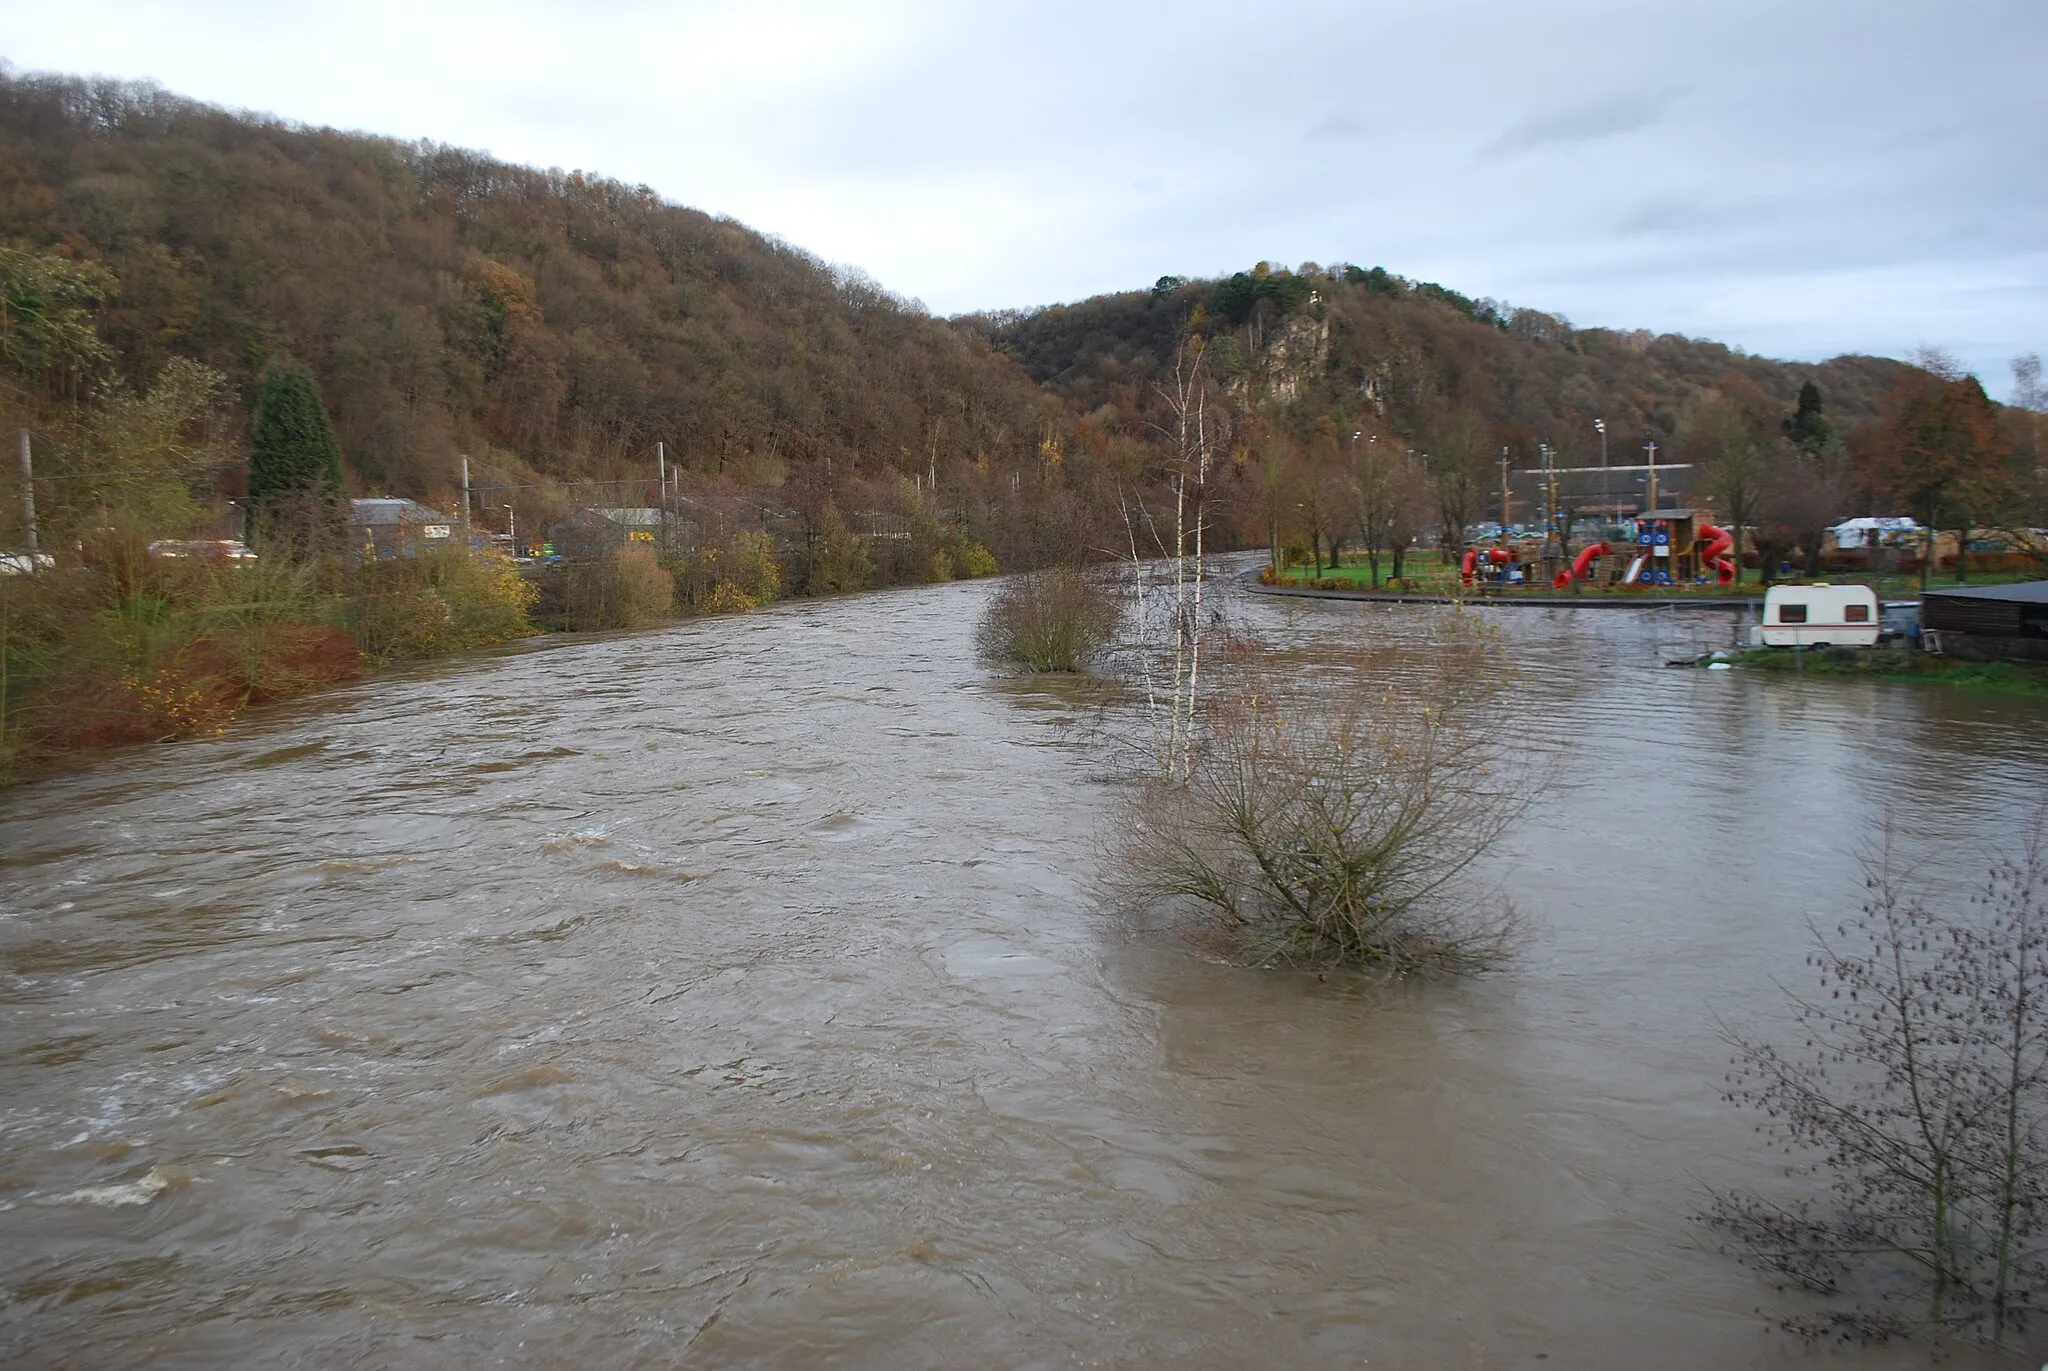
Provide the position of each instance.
(117, 646)
(120, 646)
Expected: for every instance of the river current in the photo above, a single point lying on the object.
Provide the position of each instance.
(741, 994)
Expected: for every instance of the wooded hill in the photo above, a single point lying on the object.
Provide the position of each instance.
(551, 325)
(1365, 348)
(554, 326)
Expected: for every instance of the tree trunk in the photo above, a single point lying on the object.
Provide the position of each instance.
(1963, 552)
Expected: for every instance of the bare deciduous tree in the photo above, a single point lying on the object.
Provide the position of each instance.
(1918, 1097)
(1458, 469)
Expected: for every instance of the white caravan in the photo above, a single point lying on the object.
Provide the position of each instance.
(1818, 615)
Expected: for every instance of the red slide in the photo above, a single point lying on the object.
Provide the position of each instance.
(1719, 542)
(1499, 556)
(1580, 565)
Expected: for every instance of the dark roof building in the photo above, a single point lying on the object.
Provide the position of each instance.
(1988, 621)
(598, 532)
(397, 528)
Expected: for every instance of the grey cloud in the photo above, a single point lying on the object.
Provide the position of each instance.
(1584, 123)
(1337, 126)
(1668, 215)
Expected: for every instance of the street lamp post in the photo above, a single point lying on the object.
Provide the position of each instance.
(1606, 491)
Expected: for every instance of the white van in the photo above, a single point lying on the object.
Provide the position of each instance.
(1818, 615)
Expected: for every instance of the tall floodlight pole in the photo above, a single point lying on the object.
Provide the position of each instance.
(1606, 490)
(1651, 448)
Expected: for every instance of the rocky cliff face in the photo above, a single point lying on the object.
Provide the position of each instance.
(1295, 356)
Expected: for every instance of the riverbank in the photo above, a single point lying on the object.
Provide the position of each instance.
(1563, 599)
(121, 647)
(1894, 663)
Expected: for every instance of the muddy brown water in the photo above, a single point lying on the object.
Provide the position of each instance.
(738, 995)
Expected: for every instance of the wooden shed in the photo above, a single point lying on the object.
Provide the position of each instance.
(2009, 622)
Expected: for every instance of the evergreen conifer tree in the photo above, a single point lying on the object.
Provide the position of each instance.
(294, 460)
(1808, 428)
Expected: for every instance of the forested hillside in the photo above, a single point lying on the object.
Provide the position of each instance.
(550, 325)
(162, 257)
(1356, 405)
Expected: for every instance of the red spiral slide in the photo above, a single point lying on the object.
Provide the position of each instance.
(1719, 543)
(1580, 565)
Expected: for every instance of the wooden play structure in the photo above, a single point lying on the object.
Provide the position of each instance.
(1676, 547)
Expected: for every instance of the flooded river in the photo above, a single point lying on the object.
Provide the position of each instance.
(738, 995)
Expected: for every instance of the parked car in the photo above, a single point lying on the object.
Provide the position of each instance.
(220, 549)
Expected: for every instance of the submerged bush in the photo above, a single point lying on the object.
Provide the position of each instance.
(1319, 821)
(1051, 620)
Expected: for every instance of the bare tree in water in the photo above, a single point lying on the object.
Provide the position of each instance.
(1917, 1095)
(1169, 591)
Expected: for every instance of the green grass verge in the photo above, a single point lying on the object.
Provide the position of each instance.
(1899, 664)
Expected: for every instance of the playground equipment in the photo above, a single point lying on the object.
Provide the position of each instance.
(1671, 547)
(1676, 546)
(1719, 542)
(1467, 568)
(1581, 564)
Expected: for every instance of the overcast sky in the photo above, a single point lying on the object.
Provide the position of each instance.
(1794, 177)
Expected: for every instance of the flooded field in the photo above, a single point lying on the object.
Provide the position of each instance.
(739, 995)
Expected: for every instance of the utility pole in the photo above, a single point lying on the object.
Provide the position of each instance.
(1651, 448)
(28, 494)
(467, 533)
(661, 480)
(1505, 507)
